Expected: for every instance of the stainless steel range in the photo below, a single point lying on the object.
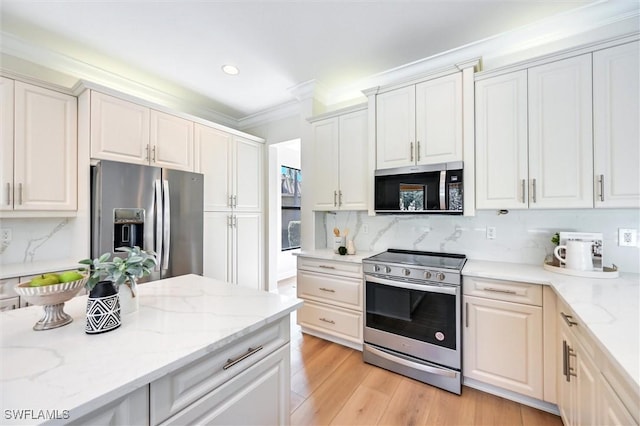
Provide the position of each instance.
(413, 303)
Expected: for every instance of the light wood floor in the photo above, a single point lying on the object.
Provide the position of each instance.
(331, 385)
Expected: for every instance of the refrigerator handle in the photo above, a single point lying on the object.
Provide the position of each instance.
(166, 219)
(158, 245)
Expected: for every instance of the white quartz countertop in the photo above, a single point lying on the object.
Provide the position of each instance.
(179, 320)
(609, 307)
(328, 254)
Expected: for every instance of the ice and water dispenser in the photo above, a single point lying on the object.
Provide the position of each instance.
(128, 228)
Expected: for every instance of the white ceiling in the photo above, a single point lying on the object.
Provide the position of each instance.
(276, 44)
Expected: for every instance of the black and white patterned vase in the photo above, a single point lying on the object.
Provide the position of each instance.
(103, 308)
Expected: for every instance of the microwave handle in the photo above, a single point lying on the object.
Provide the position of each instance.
(443, 182)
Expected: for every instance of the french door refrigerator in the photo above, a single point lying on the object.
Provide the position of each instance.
(150, 207)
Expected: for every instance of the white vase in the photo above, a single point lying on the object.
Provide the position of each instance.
(128, 299)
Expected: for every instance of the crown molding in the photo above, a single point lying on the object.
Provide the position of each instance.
(275, 113)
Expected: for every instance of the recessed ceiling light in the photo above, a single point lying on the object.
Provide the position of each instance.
(230, 69)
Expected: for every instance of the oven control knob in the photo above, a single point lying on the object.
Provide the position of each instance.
(440, 276)
(427, 275)
(406, 272)
(376, 268)
(387, 269)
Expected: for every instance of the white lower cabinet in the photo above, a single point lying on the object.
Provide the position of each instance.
(132, 409)
(333, 300)
(502, 338)
(246, 382)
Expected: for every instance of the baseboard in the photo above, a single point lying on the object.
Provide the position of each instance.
(513, 396)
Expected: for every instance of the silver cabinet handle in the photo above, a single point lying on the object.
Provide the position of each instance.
(235, 200)
(418, 150)
(146, 156)
(153, 154)
(20, 193)
(533, 192)
(411, 150)
(340, 198)
(466, 314)
(601, 182)
(8, 194)
(499, 290)
(568, 319)
(523, 191)
(326, 267)
(231, 362)
(565, 367)
(328, 290)
(327, 321)
(335, 201)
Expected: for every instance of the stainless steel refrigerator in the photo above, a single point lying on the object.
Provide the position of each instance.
(154, 208)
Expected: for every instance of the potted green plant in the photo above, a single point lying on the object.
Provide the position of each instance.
(123, 272)
(555, 240)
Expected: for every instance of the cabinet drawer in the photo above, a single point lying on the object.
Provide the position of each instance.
(339, 322)
(176, 391)
(509, 291)
(347, 269)
(342, 291)
(9, 303)
(6, 288)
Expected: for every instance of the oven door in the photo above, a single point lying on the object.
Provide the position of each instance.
(421, 320)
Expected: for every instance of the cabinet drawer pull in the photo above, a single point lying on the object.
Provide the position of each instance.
(601, 182)
(326, 267)
(534, 190)
(8, 194)
(327, 321)
(329, 290)
(523, 191)
(411, 150)
(499, 290)
(231, 362)
(418, 150)
(335, 198)
(20, 193)
(568, 319)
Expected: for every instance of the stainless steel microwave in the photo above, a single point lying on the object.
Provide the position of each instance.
(433, 188)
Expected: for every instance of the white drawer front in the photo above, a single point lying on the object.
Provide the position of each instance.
(509, 291)
(9, 303)
(339, 322)
(6, 288)
(349, 269)
(342, 291)
(176, 391)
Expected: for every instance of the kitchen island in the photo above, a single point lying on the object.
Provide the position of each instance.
(174, 360)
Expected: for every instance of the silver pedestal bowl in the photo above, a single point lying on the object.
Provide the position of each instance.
(51, 298)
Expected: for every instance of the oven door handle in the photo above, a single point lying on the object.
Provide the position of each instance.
(411, 364)
(453, 290)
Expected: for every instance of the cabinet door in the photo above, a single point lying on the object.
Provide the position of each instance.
(214, 159)
(566, 386)
(171, 141)
(45, 150)
(326, 158)
(503, 345)
(396, 128)
(353, 161)
(217, 245)
(258, 395)
(132, 409)
(248, 179)
(616, 124)
(9, 304)
(248, 250)
(119, 130)
(6, 144)
(501, 142)
(587, 392)
(612, 410)
(560, 134)
(439, 120)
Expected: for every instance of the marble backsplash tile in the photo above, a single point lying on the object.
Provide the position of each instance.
(38, 240)
(522, 236)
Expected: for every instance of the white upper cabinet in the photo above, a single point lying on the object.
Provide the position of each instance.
(6, 143)
(439, 120)
(248, 182)
(501, 142)
(45, 149)
(616, 123)
(119, 130)
(171, 141)
(420, 124)
(214, 159)
(131, 133)
(340, 162)
(396, 128)
(560, 134)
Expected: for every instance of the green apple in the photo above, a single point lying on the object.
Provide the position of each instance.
(68, 276)
(52, 275)
(47, 279)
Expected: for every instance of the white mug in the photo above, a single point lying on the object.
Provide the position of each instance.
(577, 255)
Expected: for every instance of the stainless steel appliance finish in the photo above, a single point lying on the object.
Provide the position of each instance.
(413, 316)
(154, 208)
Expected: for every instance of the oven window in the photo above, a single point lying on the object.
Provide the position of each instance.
(420, 315)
